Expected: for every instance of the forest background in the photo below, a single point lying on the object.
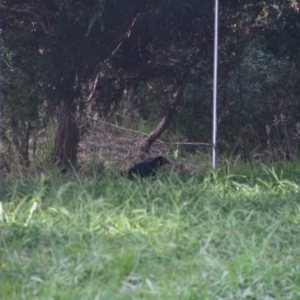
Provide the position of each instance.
(68, 66)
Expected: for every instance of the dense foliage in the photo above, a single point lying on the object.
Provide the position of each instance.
(151, 59)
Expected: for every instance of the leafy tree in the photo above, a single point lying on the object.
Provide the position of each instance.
(59, 47)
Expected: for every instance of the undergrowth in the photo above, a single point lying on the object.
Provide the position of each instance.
(226, 234)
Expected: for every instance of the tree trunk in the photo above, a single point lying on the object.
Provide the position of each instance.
(20, 138)
(162, 126)
(66, 139)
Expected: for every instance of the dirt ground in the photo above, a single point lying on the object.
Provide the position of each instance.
(117, 147)
(107, 146)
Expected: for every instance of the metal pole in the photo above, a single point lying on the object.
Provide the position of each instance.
(215, 86)
(1, 57)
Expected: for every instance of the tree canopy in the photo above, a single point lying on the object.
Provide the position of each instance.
(85, 55)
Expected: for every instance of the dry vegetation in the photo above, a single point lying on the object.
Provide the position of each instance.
(105, 144)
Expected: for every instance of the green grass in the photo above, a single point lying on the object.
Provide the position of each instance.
(229, 234)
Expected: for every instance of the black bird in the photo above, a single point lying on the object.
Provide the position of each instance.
(144, 169)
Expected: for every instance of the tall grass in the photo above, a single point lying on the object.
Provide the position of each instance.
(228, 234)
